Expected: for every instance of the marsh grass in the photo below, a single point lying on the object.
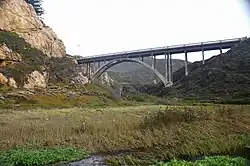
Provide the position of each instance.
(156, 132)
(209, 161)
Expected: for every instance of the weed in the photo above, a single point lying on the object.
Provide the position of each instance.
(209, 161)
(37, 157)
(157, 132)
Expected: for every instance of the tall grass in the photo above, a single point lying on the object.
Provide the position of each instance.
(156, 132)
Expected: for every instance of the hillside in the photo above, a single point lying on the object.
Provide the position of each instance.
(34, 67)
(226, 76)
(139, 75)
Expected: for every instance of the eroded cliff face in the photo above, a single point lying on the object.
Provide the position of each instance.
(19, 17)
(31, 55)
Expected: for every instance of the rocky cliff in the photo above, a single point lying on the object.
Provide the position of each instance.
(19, 17)
(31, 55)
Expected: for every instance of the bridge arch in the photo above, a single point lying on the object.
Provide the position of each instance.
(110, 64)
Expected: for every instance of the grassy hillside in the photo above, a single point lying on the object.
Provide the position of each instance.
(226, 76)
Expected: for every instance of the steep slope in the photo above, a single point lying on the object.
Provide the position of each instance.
(29, 67)
(226, 76)
(19, 17)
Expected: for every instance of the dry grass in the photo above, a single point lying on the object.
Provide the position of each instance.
(167, 131)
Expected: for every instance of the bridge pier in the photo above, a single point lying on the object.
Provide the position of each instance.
(203, 57)
(166, 67)
(154, 61)
(87, 69)
(152, 58)
(171, 69)
(221, 50)
(93, 67)
(186, 64)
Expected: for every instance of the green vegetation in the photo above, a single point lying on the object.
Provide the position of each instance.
(59, 69)
(154, 132)
(38, 157)
(32, 58)
(209, 161)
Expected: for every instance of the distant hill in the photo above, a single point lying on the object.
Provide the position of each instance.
(137, 74)
(226, 76)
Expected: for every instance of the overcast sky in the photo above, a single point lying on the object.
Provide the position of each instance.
(90, 27)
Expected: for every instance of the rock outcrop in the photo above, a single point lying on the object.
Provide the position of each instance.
(19, 17)
(106, 79)
(8, 57)
(36, 80)
(3, 79)
(31, 55)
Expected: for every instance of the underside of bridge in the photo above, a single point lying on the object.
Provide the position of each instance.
(167, 79)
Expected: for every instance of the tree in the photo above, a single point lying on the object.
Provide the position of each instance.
(37, 5)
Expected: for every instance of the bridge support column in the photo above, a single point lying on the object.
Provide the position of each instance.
(169, 69)
(186, 64)
(87, 69)
(154, 62)
(152, 58)
(203, 57)
(221, 50)
(94, 67)
(142, 58)
(166, 67)
(99, 64)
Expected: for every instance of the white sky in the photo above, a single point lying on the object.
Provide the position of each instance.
(105, 26)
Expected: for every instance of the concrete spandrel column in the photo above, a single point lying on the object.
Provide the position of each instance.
(152, 58)
(154, 62)
(221, 50)
(203, 57)
(93, 67)
(186, 64)
(87, 69)
(166, 67)
(169, 69)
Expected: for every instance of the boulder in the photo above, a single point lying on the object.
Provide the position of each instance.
(12, 83)
(36, 80)
(3, 79)
(7, 56)
(80, 79)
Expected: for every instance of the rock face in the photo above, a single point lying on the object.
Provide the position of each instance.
(36, 80)
(3, 79)
(20, 17)
(80, 79)
(8, 57)
(106, 79)
(12, 83)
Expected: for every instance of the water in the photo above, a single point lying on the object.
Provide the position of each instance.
(95, 160)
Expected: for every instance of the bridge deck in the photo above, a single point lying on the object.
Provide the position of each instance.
(175, 49)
